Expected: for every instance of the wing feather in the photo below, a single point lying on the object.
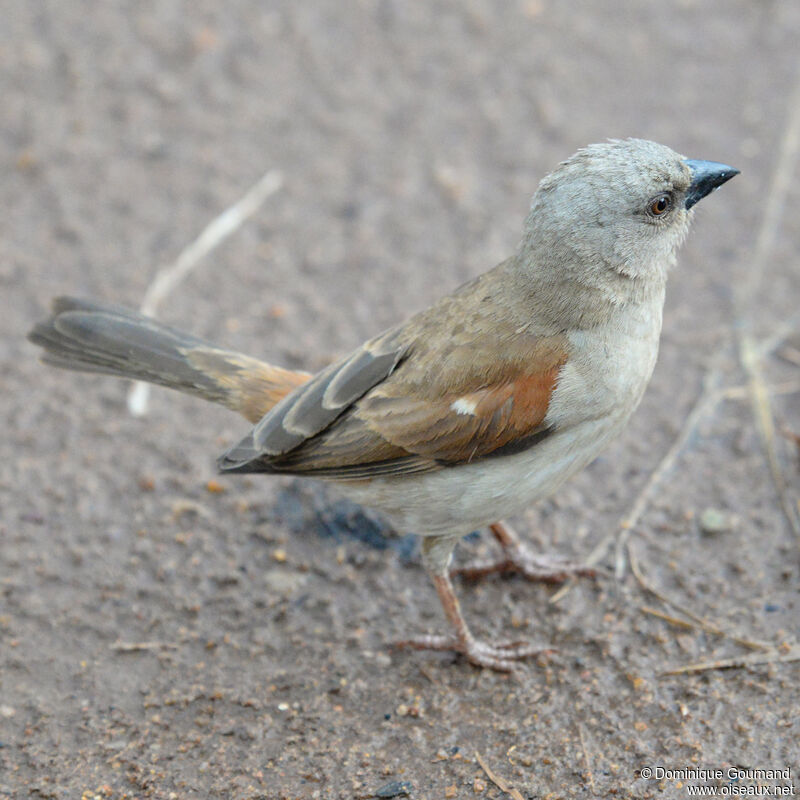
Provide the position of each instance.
(392, 429)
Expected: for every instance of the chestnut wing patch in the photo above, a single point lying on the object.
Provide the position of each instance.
(462, 427)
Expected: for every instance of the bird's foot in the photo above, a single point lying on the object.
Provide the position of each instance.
(518, 557)
(500, 656)
(533, 566)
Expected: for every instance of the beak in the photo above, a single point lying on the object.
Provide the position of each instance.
(706, 176)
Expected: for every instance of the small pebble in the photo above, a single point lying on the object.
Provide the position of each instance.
(395, 789)
(712, 521)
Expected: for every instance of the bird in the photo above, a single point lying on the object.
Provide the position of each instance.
(474, 408)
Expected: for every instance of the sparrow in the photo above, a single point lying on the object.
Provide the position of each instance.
(474, 408)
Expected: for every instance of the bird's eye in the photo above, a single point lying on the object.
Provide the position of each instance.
(659, 205)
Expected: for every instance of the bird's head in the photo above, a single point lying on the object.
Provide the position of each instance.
(623, 206)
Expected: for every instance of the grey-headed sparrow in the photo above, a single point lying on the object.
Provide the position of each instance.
(476, 407)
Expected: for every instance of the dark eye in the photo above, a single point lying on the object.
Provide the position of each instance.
(659, 205)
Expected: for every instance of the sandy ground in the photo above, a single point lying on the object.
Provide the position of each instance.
(165, 637)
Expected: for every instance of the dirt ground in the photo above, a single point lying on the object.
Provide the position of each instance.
(165, 633)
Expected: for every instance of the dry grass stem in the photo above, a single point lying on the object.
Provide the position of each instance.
(790, 354)
(708, 400)
(773, 656)
(497, 780)
(586, 758)
(750, 353)
(775, 389)
(676, 621)
(765, 423)
(135, 647)
(772, 342)
(696, 619)
(169, 278)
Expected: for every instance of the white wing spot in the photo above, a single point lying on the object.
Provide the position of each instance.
(464, 406)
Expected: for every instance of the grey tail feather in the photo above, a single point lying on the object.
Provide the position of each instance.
(242, 457)
(98, 337)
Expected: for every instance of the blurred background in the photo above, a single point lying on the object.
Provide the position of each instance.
(164, 633)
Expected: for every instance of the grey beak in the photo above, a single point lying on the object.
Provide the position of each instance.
(706, 176)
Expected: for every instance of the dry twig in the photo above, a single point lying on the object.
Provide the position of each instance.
(676, 621)
(586, 758)
(773, 656)
(743, 392)
(765, 423)
(497, 780)
(135, 647)
(168, 278)
(778, 337)
(696, 619)
(708, 400)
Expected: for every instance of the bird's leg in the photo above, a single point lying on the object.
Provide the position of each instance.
(517, 557)
(501, 656)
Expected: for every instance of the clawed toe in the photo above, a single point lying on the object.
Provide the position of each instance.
(550, 569)
(518, 558)
(523, 649)
(529, 565)
(502, 656)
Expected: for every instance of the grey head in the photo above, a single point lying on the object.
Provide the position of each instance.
(621, 207)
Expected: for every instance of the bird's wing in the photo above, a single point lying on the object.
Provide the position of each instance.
(402, 405)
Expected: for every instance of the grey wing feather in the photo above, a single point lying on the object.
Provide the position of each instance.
(313, 407)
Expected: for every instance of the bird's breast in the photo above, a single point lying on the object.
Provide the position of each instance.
(608, 369)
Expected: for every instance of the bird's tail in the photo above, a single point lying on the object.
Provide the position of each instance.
(96, 337)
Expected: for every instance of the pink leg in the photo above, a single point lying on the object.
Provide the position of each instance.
(500, 656)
